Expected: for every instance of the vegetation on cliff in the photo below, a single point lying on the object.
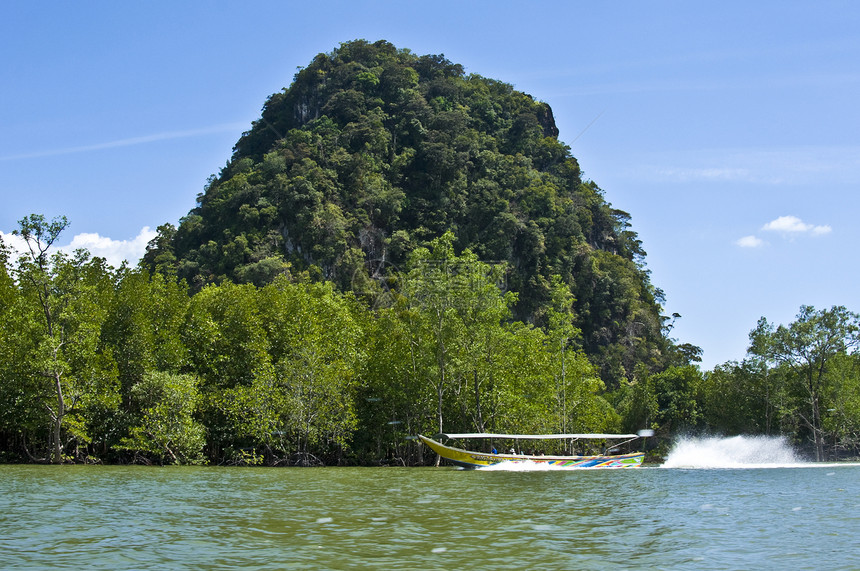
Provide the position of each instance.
(373, 152)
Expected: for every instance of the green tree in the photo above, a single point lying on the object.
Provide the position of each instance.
(20, 415)
(523, 398)
(159, 256)
(563, 335)
(676, 391)
(64, 306)
(317, 352)
(636, 401)
(287, 357)
(843, 419)
(40, 235)
(667, 401)
(458, 318)
(431, 286)
(393, 401)
(807, 348)
(144, 326)
(484, 310)
(225, 335)
(164, 425)
(742, 398)
(227, 346)
(86, 286)
(143, 332)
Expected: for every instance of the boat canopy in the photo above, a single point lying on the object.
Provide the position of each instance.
(535, 436)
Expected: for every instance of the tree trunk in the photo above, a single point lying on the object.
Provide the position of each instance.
(767, 406)
(58, 421)
(480, 418)
(816, 430)
(439, 416)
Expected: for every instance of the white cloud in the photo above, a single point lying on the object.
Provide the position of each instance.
(787, 226)
(750, 242)
(794, 225)
(16, 243)
(114, 251)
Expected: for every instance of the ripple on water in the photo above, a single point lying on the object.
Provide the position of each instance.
(127, 517)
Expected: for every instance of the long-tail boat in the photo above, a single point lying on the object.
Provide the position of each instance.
(469, 459)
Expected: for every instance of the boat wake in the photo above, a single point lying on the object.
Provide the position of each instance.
(734, 452)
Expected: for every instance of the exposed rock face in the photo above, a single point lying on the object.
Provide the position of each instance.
(547, 121)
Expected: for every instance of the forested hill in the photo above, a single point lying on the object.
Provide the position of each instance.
(374, 151)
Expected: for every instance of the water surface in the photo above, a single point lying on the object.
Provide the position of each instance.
(104, 517)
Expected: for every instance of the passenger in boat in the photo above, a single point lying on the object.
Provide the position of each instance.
(495, 451)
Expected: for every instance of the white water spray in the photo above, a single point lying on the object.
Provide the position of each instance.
(734, 452)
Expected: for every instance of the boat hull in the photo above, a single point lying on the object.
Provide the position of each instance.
(468, 459)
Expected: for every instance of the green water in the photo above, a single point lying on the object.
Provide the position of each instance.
(76, 517)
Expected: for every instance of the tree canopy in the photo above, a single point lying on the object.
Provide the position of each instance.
(119, 365)
(374, 151)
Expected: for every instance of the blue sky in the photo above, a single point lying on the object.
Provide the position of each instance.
(730, 131)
